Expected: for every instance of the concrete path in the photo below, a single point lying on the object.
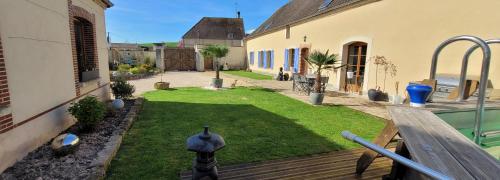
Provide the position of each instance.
(331, 98)
(203, 79)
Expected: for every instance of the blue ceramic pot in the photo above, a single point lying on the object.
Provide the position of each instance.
(418, 94)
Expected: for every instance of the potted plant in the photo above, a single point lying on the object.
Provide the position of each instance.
(216, 52)
(162, 85)
(376, 94)
(320, 61)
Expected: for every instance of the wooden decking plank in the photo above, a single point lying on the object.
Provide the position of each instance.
(339, 167)
(291, 160)
(323, 165)
(347, 171)
(424, 147)
(293, 165)
(475, 160)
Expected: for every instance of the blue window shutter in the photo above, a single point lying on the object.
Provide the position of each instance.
(259, 60)
(296, 61)
(285, 66)
(251, 57)
(272, 59)
(265, 59)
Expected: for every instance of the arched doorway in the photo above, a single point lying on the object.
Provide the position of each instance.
(355, 64)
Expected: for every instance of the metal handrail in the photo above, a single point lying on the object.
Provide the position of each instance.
(483, 82)
(465, 64)
(408, 163)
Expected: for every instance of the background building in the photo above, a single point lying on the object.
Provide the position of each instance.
(223, 31)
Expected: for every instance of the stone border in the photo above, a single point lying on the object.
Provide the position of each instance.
(106, 155)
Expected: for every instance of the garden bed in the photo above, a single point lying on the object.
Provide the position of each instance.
(90, 159)
(134, 76)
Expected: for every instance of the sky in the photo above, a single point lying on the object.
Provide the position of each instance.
(145, 21)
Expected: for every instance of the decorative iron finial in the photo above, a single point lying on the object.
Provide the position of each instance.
(206, 134)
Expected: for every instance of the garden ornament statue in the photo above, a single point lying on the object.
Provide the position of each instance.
(118, 104)
(64, 144)
(280, 74)
(205, 144)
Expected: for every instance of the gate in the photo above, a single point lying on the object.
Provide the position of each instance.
(180, 59)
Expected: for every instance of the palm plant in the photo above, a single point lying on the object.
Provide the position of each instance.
(321, 61)
(217, 52)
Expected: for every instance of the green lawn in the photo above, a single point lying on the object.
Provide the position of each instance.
(167, 44)
(250, 75)
(257, 124)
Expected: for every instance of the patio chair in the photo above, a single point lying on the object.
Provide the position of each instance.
(300, 83)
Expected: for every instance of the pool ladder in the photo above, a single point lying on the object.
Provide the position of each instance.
(483, 81)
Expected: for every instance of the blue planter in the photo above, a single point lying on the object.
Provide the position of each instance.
(418, 94)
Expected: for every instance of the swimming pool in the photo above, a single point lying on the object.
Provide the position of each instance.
(463, 121)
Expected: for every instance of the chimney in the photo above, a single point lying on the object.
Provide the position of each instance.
(239, 14)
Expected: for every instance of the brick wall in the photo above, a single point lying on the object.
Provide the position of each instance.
(6, 122)
(75, 11)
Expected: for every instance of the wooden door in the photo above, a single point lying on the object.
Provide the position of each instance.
(209, 63)
(356, 62)
(303, 67)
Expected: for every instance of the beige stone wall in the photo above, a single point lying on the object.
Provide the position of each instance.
(38, 56)
(405, 31)
(235, 58)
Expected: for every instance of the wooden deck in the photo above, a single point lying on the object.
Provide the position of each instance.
(437, 145)
(334, 165)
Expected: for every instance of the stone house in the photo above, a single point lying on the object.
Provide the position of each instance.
(223, 31)
(406, 32)
(52, 53)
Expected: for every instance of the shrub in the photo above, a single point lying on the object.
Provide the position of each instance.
(148, 61)
(88, 111)
(122, 89)
(123, 68)
(143, 68)
(134, 70)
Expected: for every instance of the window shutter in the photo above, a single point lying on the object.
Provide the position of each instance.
(296, 61)
(272, 59)
(265, 59)
(251, 57)
(259, 59)
(285, 66)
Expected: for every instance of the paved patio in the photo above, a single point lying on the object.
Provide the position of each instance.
(203, 79)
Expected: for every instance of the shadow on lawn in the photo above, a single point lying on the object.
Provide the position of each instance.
(155, 146)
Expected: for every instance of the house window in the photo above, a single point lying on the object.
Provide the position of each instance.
(291, 57)
(325, 4)
(85, 50)
(230, 35)
(287, 32)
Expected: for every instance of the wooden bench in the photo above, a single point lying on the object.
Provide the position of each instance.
(430, 141)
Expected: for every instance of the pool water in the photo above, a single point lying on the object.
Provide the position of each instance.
(463, 121)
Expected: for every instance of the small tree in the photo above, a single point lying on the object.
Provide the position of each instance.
(217, 52)
(321, 61)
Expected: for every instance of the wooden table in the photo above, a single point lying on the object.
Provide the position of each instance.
(432, 142)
